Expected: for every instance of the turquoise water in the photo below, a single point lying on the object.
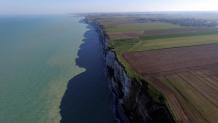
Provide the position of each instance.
(37, 58)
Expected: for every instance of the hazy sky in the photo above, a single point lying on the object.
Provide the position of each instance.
(74, 6)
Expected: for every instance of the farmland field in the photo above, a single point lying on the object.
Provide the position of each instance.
(187, 75)
(176, 55)
(141, 27)
(175, 42)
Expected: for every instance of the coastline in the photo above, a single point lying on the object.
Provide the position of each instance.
(87, 95)
(133, 101)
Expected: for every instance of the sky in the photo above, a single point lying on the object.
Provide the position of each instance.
(81, 6)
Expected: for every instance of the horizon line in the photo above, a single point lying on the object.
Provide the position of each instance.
(117, 12)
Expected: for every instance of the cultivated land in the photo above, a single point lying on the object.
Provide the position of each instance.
(187, 76)
(178, 56)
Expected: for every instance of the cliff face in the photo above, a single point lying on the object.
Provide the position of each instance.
(134, 104)
(133, 95)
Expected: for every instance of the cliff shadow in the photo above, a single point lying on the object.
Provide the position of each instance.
(88, 98)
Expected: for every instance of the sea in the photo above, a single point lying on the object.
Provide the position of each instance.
(52, 70)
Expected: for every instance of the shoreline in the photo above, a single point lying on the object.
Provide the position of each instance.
(87, 95)
(116, 105)
(133, 100)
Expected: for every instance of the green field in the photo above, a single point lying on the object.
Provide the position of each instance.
(174, 42)
(135, 27)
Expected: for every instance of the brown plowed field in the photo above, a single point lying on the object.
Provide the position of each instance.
(187, 76)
